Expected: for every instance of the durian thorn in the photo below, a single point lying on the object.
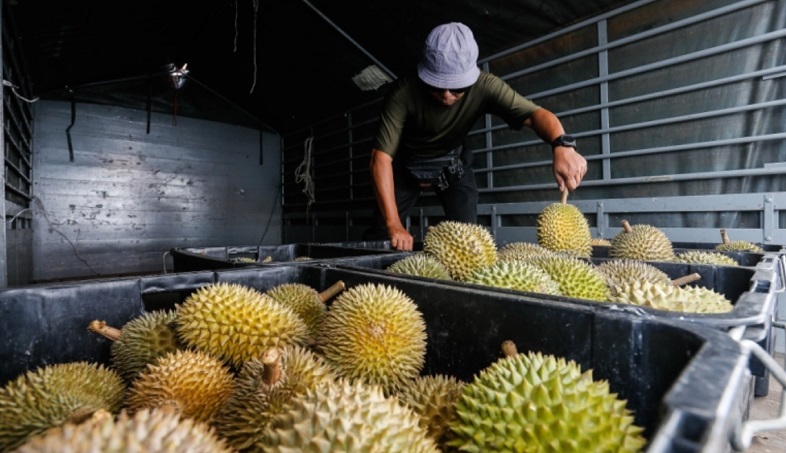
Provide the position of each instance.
(626, 226)
(334, 289)
(509, 348)
(724, 236)
(564, 196)
(101, 328)
(685, 279)
(272, 361)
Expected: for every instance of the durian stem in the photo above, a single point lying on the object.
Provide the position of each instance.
(685, 279)
(267, 259)
(509, 348)
(101, 328)
(626, 226)
(724, 236)
(334, 289)
(81, 415)
(564, 196)
(272, 361)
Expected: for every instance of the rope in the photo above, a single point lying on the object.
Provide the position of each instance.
(256, 15)
(304, 173)
(14, 87)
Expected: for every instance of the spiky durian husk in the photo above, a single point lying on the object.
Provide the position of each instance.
(374, 333)
(517, 275)
(143, 340)
(433, 399)
(148, 431)
(236, 323)
(517, 251)
(421, 265)
(618, 271)
(539, 403)
(191, 381)
(703, 257)
(53, 395)
(344, 417)
(575, 277)
(304, 300)
(739, 246)
(600, 242)
(461, 247)
(666, 296)
(562, 227)
(644, 242)
(254, 402)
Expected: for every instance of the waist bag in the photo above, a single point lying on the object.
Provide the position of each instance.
(440, 171)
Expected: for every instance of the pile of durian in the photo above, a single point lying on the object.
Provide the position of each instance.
(560, 264)
(291, 369)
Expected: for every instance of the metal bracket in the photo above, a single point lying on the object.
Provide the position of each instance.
(744, 432)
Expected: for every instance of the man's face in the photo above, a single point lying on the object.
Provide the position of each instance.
(445, 97)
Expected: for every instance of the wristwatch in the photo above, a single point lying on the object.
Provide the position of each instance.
(565, 140)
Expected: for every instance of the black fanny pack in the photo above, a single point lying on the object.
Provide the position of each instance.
(440, 171)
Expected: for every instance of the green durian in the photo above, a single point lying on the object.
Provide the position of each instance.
(562, 227)
(641, 242)
(306, 301)
(516, 275)
(461, 247)
(517, 251)
(421, 265)
(618, 271)
(706, 257)
(667, 296)
(727, 245)
(575, 277)
(433, 398)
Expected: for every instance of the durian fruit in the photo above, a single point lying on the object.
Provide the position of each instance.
(600, 242)
(575, 277)
(421, 264)
(263, 388)
(618, 271)
(706, 257)
(236, 323)
(516, 251)
(267, 259)
(641, 242)
(244, 259)
(531, 402)
(516, 275)
(338, 416)
(160, 430)
(302, 258)
(306, 301)
(433, 399)
(141, 341)
(670, 297)
(728, 245)
(562, 227)
(53, 395)
(374, 333)
(193, 382)
(461, 247)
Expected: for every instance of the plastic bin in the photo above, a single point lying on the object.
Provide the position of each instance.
(687, 387)
(208, 258)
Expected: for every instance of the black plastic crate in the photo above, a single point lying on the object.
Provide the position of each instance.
(209, 258)
(687, 387)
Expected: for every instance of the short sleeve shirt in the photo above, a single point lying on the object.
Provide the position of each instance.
(412, 121)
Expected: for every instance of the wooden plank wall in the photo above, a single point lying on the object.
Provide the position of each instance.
(129, 196)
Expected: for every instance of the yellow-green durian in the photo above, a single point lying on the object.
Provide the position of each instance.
(618, 271)
(728, 245)
(461, 247)
(433, 398)
(531, 402)
(562, 227)
(264, 388)
(600, 242)
(236, 323)
(706, 257)
(516, 275)
(641, 242)
(575, 277)
(306, 301)
(53, 395)
(195, 383)
(421, 265)
(338, 416)
(160, 430)
(666, 296)
(517, 251)
(374, 333)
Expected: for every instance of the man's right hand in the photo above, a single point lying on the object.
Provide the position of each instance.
(400, 239)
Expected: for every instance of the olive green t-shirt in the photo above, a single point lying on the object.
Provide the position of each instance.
(413, 121)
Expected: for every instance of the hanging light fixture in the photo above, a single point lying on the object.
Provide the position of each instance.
(177, 77)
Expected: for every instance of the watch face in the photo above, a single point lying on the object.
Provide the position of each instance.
(565, 140)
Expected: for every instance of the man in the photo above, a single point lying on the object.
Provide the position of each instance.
(423, 124)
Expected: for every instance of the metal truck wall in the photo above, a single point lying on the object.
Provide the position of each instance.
(668, 98)
(128, 196)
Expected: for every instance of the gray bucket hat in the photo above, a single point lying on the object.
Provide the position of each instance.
(450, 57)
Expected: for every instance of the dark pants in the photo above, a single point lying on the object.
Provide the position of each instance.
(459, 200)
